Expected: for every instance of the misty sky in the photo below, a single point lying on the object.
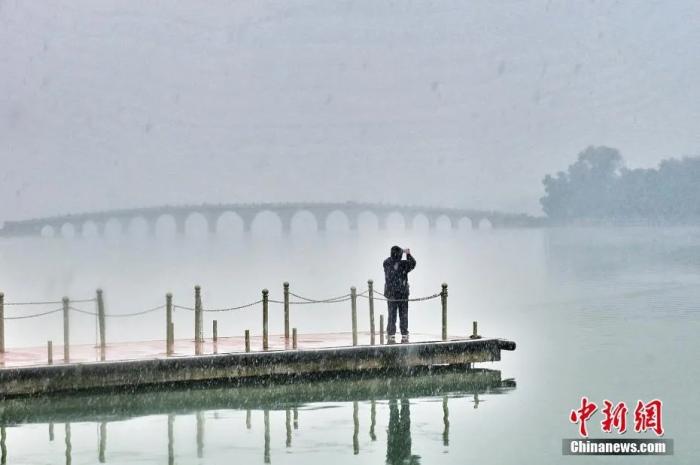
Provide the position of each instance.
(109, 104)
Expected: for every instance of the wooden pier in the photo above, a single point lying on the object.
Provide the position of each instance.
(317, 357)
(243, 359)
(85, 406)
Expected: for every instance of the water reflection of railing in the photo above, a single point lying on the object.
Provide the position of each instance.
(444, 384)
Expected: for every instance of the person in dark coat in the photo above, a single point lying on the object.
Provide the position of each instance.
(396, 290)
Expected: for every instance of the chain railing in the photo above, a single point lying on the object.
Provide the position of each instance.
(33, 315)
(68, 306)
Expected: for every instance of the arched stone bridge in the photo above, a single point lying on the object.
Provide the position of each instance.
(248, 212)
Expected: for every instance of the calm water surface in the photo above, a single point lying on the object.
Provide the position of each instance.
(607, 313)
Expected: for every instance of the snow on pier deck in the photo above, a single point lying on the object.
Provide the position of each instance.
(139, 364)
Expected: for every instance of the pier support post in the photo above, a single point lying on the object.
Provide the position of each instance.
(288, 426)
(443, 298)
(102, 447)
(2, 323)
(199, 416)
(381, 329)
(294, 338)
(372, 419)
(286, 310)
(356, 428)
(101, 323)
(171, 439)
(198, 331)
(266, 344)
(475, 332)
(214, 332)
(247, 340)
(445, 422)
(49, 352)
(3, 445)
(370, 295)
(168, 323)
(353, 306)
(66, 329)
(266, 448)
(171, 349)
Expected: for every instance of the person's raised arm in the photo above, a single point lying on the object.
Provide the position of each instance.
(411, 261)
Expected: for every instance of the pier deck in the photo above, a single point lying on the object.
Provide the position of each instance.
(133, 365)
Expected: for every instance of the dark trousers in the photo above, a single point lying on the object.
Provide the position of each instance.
(402, 309)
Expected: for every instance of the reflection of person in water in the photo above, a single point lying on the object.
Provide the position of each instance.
(398, 444)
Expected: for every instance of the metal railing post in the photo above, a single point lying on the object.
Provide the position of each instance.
(286, 310)
(353, 307)
(198, 330)
(265, 293)
(169, 336)
(101, 323)
(443, 298)
(370, 296)
(66, 330)
(2, 322)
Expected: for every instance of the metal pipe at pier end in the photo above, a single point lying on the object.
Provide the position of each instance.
(101, 323)
(475, 332)
(443, 298)
(169, 336)
(66, 329)
(294, 338)
(2, 323)
(353, 307)
(247, 340)
(214, 331)
(286, 310)
(265, 341)
(370, 296)
(49, 352)
(198, 331)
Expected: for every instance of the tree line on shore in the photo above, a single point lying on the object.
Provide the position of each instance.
(599, 187)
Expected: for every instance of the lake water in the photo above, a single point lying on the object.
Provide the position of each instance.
(607, 313)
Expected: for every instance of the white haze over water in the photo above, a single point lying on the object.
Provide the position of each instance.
(123, 104)
(118, 104)
(611, 313)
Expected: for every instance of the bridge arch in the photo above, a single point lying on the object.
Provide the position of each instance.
(267, 223)
(484, 223)
(368, 220)
(304, 221)
(338, 220)
(165, 226)
(68, 230)
(113, 227)
(48, 231)
(419, 222)
(138, 226)
(464, 223)
(443, 223)
(395, 220)
(229, 223)
(196, 224)
(89, 229)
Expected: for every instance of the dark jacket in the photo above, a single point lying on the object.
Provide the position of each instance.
(396, 276)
